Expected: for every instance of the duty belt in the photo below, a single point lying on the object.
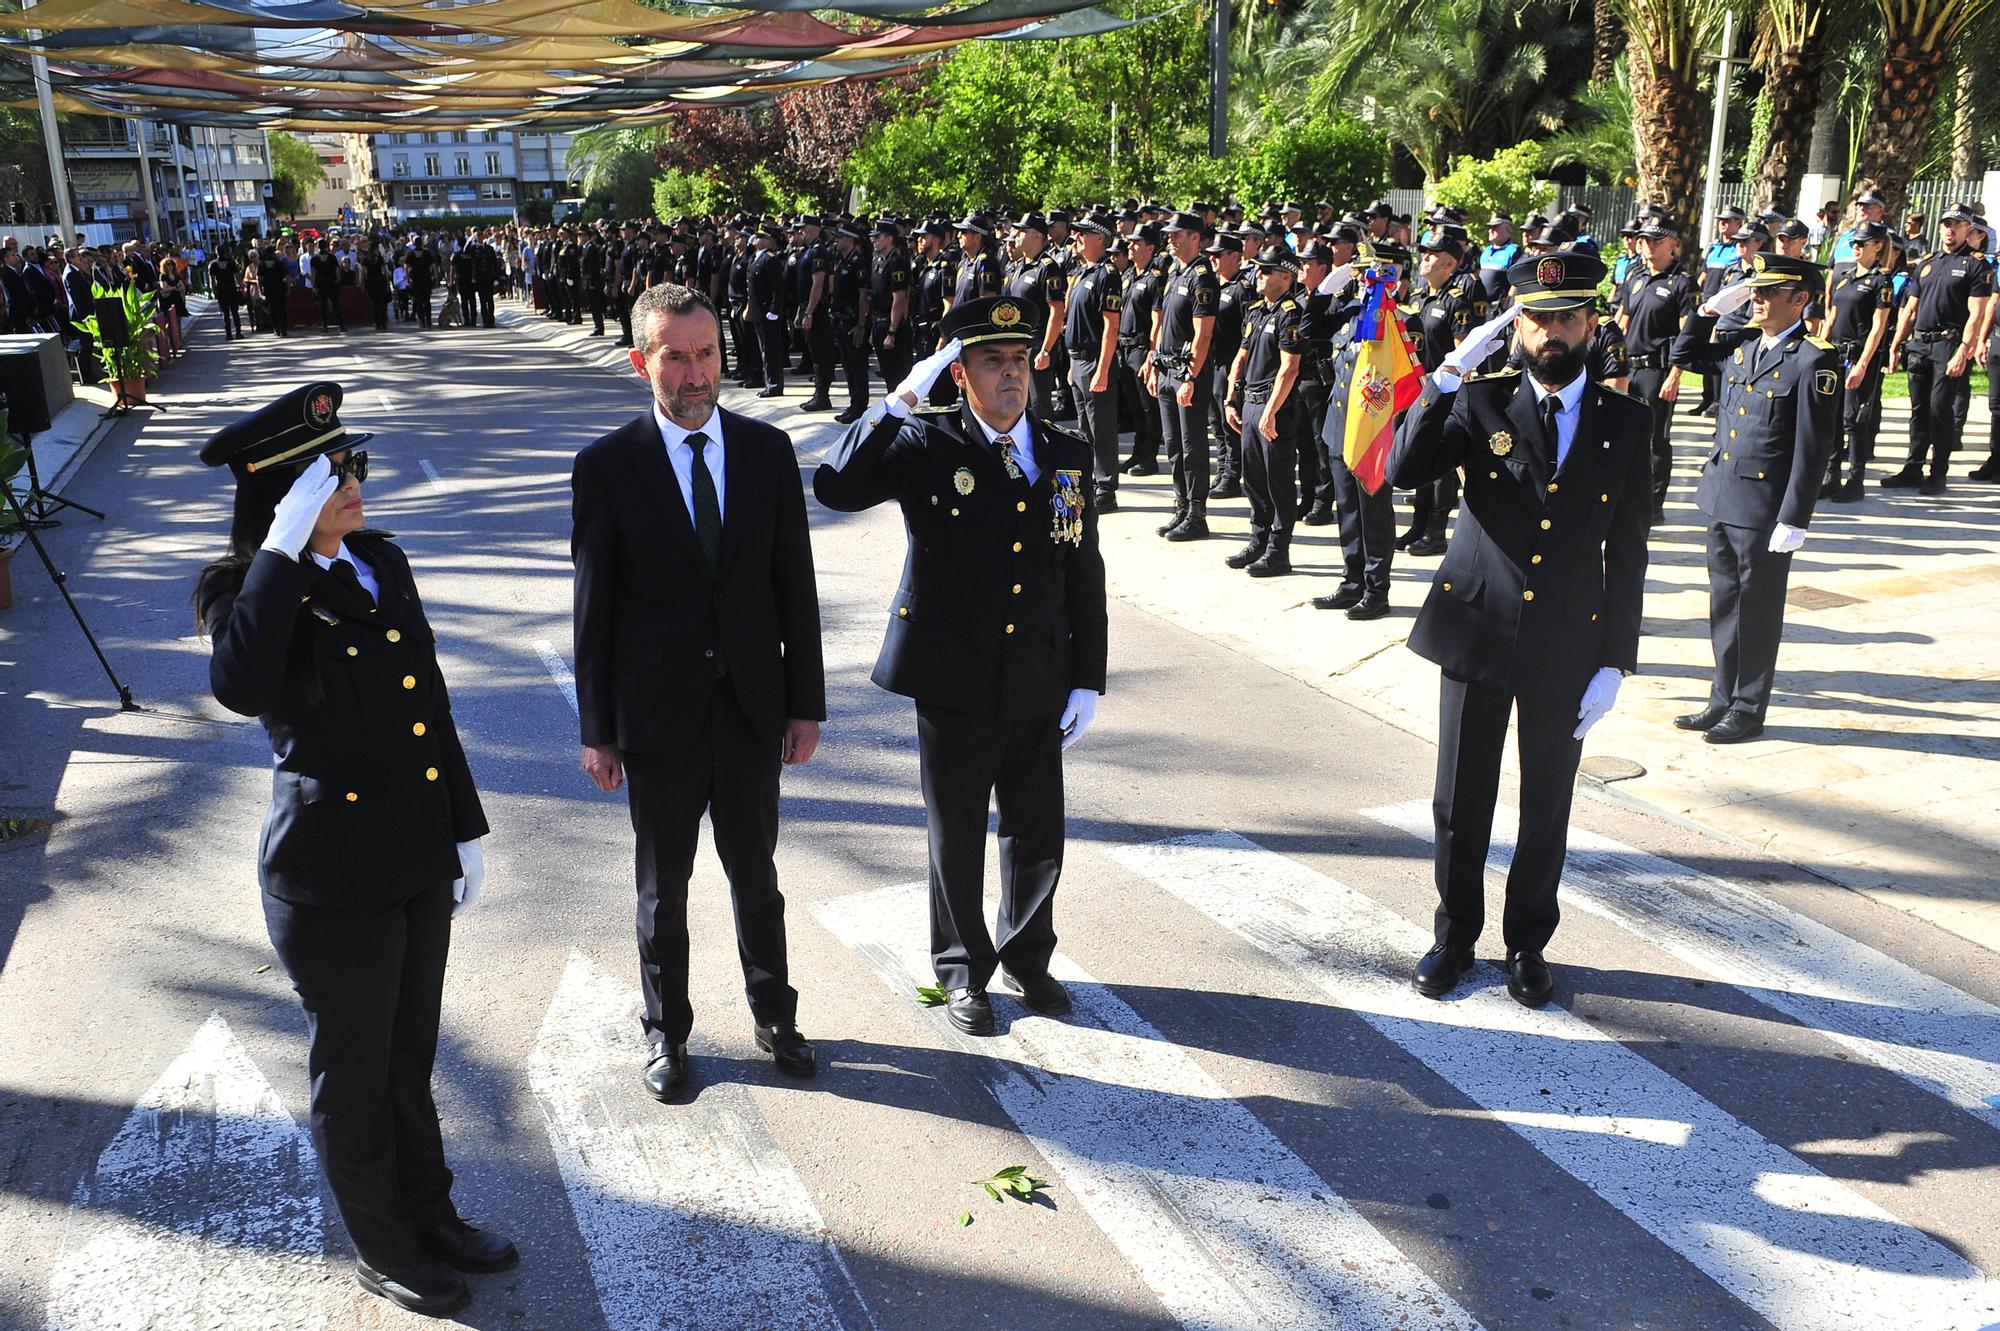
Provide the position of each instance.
(1848, 350)
(1935, 335)
(1252, 393)
(1171, 364)
(1128, 343)
(1651, 360)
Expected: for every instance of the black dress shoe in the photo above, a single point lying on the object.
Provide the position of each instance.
(1340, 598)
(1247, 556)
(1528, 979)
(771, 392)
(1319, 515)
(817, 403)
(422, 1286)
(467, 1247)
(1659, 517)
(1734, 729)
(1909, 478)
(851, 415)
(1227, 488)
(1988, 470)
(971, 1011)
(1276, 563)
(1849, 492)
(1136, 467)
(1701, 720)
(792, 1052)
(666, 1073)
(1428, 546)
(1106, 503)
(1438, 972)
(1044, 993)
(1370, 606)
(1406, 539)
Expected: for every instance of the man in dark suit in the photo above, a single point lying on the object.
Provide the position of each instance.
(697, 661)
(1537, 603)
(1779, 422)
(79, 305)
(998, 633)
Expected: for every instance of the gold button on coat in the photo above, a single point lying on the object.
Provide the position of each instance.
(1017, 547)
(1010, 628)
(1447, 586)
(1552, 487)
(409, 681)
(1017, 589)
(1546, 524)
(430, 774)
(352, 797)
(1534, 559)
(903, 612)
(394, 635)
(1528, 595)
(417, 729)
(1021, 506)
(354, 651)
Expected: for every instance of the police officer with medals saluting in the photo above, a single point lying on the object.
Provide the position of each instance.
(371, 844)
(1263, 403)
(1536, 606)
(998, 633)
(1177, 375)
(1859, 308)
(1779, 419)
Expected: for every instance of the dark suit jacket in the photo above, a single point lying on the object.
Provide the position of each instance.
(372, 792)
(1545, 575)
(649, 616)
(997, 615)
(1777, 422)
(77, 288)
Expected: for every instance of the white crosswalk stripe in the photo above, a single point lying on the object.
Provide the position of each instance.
(1894, 1016)
(692, 1217)
(202, 1214)
(1806, 1252)
(1227, 1226)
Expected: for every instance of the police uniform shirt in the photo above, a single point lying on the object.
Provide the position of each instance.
(1494, 261)
(362, 573)
(1655, 304)
(933, 283)
(1715, 268)
(1607, 358)
(846, 275)
(659, 265)
(1192, 292)
(1856, 298)
(1141, 294)
(1268, 332)
(1471, 294)
(978, 275)
(1944, 287)
(1440, 319)
(1233, 301)
(820, 259)
(890, 278)
(739, 275)
(1096, 291)
(1036, 282)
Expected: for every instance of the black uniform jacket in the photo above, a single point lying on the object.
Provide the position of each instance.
(1778, 418)
(372, 792)
(650, 620)
(1001, 610)
(1543, 581)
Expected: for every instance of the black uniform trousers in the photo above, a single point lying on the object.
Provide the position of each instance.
(966, 762)
(1861, 417)
(1646, 387)
(1042, 388)
(1746, 616)
(232, 317)
(378, 302)
(371, 979)
(488, 318)
(840, 352)
(1367, 527)
(823, 351)
(771, 342)
(1472, 733)
(1938, 403)
(731, 774)
(1228, 443)
(329, 307)
(749, 348)
(625, 323)
(1268, 465)
(597, 311)
(1184, 432)
(1097, 422)
(1315, 470)
(421, 296)
(1138, 403)
(895, 360)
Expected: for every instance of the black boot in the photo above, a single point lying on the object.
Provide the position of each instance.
(1276, 563)
(1193, 527)
(1227, 488)
(1248, 555)
(1180, 516)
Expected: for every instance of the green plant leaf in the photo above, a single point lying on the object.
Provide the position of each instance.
(991, 1191)
(964, 1219)
(931, 995)
(1014, 1180)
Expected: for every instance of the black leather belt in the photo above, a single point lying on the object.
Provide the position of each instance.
(1652, 360)
(1935, 335)
(1252, 393)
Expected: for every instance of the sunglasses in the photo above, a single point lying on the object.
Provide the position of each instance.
(356, 466)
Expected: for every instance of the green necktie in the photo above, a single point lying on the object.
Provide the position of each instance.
(707, 511)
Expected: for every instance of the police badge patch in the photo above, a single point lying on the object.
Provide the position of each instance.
(1501, 443)
(1066, 508)
(961, 480)
(1824, 382)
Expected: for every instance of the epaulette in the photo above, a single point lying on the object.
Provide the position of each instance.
(933, 409)
(1050, 428)
(1819, 342)
(1603, 387)
(1504, 372)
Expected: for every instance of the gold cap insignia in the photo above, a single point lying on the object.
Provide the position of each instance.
(319, 410)
(961, 480)
(1757, 263)
(1501, 443)
(1549, 273)
(1006, 314)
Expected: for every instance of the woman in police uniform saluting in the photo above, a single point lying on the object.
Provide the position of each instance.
(371, 843)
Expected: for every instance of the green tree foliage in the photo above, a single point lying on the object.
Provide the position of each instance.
(619, 180)
(24, 168)
(1503, 183)
(1598, 133)
(1324, 157)
(296, 172)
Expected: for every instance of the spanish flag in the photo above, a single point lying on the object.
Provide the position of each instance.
(1377, 377)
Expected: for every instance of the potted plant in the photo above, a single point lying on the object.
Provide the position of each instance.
(131, 365)
(13, 457)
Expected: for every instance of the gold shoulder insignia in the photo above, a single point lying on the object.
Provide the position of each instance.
(1819, 342)
(931, 409)
(1504, 372)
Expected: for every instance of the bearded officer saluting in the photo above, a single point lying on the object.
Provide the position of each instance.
(998, 633)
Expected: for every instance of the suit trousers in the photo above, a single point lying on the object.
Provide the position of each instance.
(771, 341)
(730, 773)
(1938, 404)
(1646, 386)
(1184, 431)
(371, 979)
(966, 762)
(749, 349)
(1472, 732)
(1367, 527)
(1268, 465)
(488, 318)
(1097, 421)
(1139, 404)
(1746, 616)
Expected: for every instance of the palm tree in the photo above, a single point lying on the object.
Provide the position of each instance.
(1598, 131)
(1790, 49)
(1668, 38)
(1919, 37)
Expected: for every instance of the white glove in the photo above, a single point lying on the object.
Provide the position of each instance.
(1478, 344)
(298, 512)
(1077, 716)
(1332, 283)
(917, 383)
(465, 891)
(1786, 538)
(772, 317)
(1598, 697)
(1727, 299)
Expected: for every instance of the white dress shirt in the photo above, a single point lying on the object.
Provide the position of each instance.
(680, 455)
(362, 572)
(1766, 342)
(1571, 398)
(1024, 445)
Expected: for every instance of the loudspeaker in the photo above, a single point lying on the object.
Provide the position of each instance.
(34, 376)
(112, 330)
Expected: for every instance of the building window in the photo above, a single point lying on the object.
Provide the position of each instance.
(493, 164)
(250, 154)
(420, 193)
(430, 136)
(462, 164)
(489, 136)
(401, 167)
(460, 136)
(430, 164)
(496, 189)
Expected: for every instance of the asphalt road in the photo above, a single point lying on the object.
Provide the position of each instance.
(1758, 1102)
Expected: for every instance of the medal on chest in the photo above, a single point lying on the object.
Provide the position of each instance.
(961, 480)
(1066, 508)
(1502, 443)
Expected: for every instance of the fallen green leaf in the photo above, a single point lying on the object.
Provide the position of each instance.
(1015, 1180)
(931, 995)
(964, 1219)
